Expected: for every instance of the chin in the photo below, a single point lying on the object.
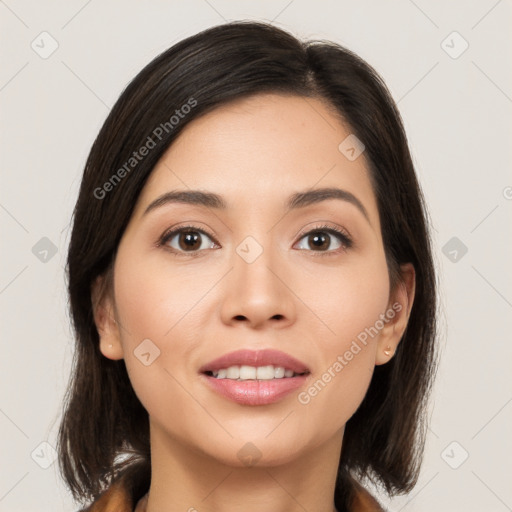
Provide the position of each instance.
(256, 451)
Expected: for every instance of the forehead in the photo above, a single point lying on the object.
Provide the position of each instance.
(256, 151)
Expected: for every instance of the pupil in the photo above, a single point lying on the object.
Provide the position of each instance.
(189, 240)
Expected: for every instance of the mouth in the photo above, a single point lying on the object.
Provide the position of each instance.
(265, 364)
(255, 377)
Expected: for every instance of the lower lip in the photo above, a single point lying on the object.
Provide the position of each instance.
(255, 392)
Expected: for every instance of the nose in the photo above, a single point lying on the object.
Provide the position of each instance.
(258, 293)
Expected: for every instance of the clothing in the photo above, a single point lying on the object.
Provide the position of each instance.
(117, 498)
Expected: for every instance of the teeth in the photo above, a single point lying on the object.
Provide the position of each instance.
(279, 372)
(233, 372)
(245, 372)
(265, 372)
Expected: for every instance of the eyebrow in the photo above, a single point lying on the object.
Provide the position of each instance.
(295, 201)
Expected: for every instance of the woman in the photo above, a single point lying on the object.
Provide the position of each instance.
(251, 285)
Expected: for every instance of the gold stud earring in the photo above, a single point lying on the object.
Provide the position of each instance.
(387, 351)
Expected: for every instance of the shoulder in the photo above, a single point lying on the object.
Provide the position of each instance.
(363, 501)
(122, 493)
(125, 490)
(115, 499)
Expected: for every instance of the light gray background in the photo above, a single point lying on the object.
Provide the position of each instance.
(457, 113)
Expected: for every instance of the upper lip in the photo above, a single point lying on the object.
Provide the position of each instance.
(255, 358)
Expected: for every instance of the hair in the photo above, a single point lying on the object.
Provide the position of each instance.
(103, 420)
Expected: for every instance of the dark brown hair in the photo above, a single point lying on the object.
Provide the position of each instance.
(103, 418)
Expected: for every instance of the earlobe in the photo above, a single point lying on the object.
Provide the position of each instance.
(388, 351)
(397, 315)
(106, 325)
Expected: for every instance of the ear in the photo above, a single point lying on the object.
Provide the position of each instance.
(397, 314)
(106, 324)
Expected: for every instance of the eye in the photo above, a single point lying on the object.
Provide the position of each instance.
(189, 239)
(322, 238)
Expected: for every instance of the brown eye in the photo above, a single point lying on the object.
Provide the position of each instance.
(187, 240)
(325, 239)
(320, 241)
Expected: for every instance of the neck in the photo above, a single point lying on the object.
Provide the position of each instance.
(184, 479)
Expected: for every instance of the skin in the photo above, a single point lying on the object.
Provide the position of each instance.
(255, 153)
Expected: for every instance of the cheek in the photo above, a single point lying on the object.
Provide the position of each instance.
(332, 397)
(161, 316)
(154, 296)
(346, 300)
(350, 305)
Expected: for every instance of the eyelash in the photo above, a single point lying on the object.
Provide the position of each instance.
(344, 238)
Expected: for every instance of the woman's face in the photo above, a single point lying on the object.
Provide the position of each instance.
(254, 275)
